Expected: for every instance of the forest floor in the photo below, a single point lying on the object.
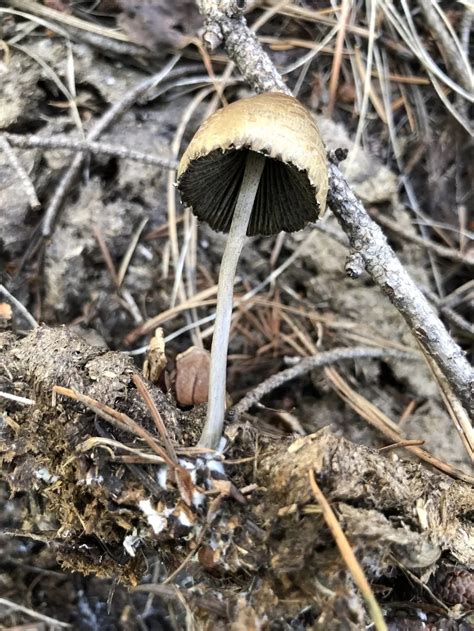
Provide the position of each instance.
(99, 529)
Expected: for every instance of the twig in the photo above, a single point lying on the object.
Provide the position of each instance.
(187, 558)
(16, 398)
(225, 24)
(413, 577)
(310, 363)
(21, 173)
(403, 443)
(101, 125)
(348, 555)
(457, 320)
(13, 606)
(386, 270)
(62, 142)
(21, 308)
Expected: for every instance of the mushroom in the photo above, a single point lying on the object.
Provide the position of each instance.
(255, 167)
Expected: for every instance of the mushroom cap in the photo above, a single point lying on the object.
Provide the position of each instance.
(294, 182)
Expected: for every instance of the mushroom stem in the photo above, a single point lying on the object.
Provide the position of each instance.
(212, 431)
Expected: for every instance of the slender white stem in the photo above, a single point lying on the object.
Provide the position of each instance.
(212, 431)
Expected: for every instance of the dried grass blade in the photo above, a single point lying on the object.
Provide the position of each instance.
(396, 435)
(336, 66)
(348, 555)
(142, 389)
(130, 252)
(124, 422)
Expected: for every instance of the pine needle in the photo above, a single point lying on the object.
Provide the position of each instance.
(348, 555)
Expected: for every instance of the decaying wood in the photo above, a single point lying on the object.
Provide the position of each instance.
(206, 518)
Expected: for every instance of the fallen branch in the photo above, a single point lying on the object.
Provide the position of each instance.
(100, 148)
(100, 126)
(21, 173)
(306, 365)
(225, 24)
(383, 265)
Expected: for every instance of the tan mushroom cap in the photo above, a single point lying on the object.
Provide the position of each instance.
(294, 183)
